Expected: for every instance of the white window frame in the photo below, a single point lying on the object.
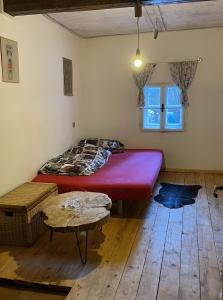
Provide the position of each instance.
(162, 114)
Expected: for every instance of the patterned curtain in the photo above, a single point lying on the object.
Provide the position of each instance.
(182, 74)
(142, 78)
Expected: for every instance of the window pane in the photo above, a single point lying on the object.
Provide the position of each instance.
(151, 118)
(174, 118)
(152, 95)
(173, 96)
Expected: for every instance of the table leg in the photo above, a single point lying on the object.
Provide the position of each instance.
(83, 258)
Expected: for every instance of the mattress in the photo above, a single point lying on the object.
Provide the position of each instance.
(126, 176)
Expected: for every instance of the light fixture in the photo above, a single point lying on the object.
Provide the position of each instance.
(138, 59)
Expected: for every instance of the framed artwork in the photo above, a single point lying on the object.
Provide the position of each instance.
(68, 77)
(10, 60)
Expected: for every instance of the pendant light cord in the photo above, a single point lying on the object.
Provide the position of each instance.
(138, 30)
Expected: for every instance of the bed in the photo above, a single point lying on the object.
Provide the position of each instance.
(130, 175)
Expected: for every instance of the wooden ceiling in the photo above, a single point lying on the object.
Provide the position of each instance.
(26, 7)
(168, 17)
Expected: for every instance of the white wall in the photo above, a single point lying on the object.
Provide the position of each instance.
(35, 117)
(109, 102)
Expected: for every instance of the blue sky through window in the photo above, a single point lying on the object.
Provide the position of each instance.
(167, 97)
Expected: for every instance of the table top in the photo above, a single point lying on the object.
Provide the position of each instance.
(92, 211)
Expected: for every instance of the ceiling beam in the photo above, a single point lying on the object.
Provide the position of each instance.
(28, 7)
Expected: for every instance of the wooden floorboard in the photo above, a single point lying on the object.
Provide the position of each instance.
(128, 285)
(189, 270)
(152, 253)
(210, 281)
(170, 271)
(150, 278)
(216, 212)
(104, 280)
(151, 272)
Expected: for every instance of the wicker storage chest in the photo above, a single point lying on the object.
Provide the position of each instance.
(21, 221)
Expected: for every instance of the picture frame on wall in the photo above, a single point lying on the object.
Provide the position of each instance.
(68, 76)
(10, 60)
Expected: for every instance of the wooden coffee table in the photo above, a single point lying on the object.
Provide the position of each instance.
(91, 212)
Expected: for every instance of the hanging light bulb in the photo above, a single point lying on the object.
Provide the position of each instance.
(138, 59)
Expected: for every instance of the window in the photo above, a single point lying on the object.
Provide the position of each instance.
(163, 110)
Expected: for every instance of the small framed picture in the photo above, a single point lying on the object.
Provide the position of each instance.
(68, 77)
(10, 60)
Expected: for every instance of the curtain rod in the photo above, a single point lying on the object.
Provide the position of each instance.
(199, 59)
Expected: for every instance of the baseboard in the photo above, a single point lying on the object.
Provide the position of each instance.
(192, 171)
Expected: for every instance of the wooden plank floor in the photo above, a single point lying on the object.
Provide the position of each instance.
(152, 253)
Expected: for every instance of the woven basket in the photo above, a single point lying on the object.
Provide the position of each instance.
(21, 222)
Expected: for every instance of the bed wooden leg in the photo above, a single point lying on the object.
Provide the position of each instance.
(120, 207)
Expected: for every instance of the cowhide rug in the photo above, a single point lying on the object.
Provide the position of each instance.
(176, 196)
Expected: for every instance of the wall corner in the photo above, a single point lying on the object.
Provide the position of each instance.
(2, 13)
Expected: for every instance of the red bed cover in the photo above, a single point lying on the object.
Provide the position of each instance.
(126, 176)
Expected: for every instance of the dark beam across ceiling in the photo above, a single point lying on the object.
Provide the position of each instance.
(28, 7)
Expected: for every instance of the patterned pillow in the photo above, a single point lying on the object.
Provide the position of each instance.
(77, 161)
(112, 145)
